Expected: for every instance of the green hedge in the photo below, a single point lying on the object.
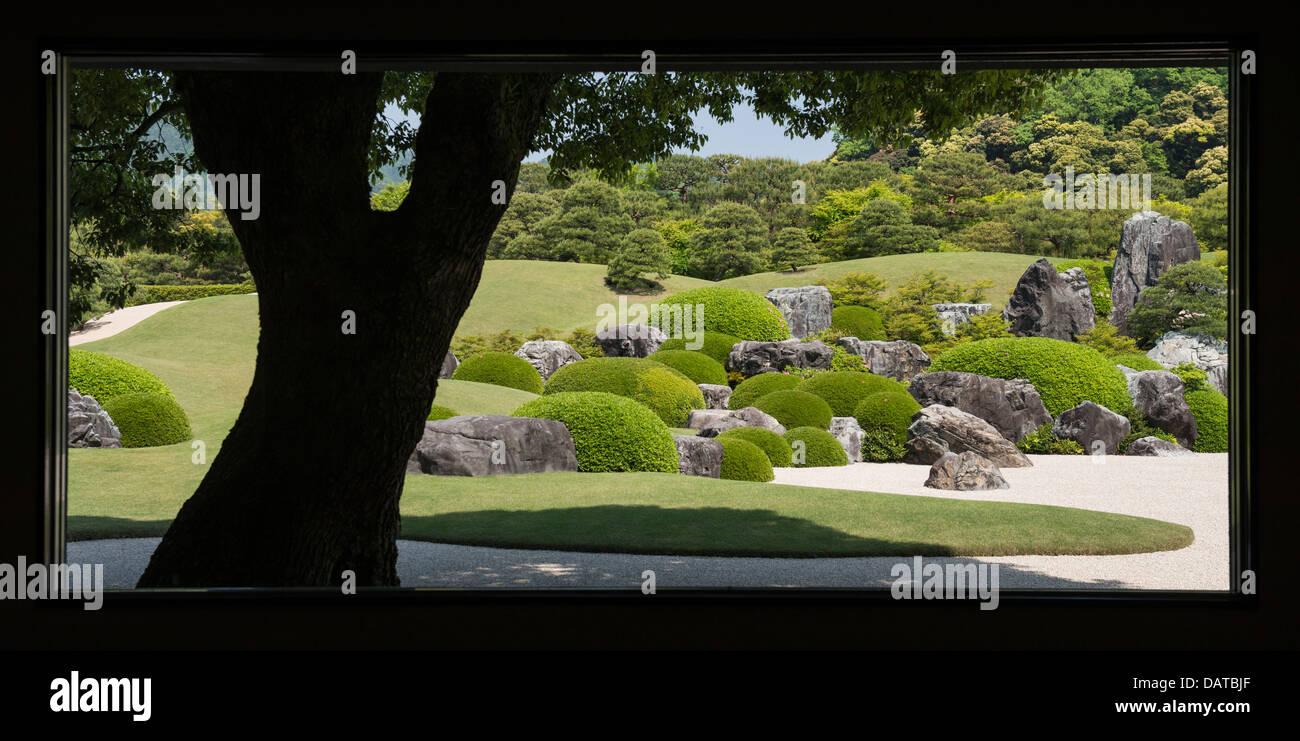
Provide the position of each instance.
(744, 461)
(753, 388)
(106, 377)
(500, 369)
(777, 449)
(1211, 411)
(1137, 362)
(845, 390)
(887, 411)
(610, 432)
(858, 321)
(696, 366)
(716, 345)
(665, 391)
(1065, 373)
(439, 412)
(156, 294)
(820, 447)
(796, 409)
(732, 311)
(148, 420)
(881, 446)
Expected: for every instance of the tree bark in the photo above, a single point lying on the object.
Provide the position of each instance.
(307, 484)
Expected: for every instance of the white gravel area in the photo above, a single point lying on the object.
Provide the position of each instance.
(1188, 491)
(116, 321)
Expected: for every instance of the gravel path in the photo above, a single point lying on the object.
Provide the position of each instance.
(116, 321)
(1189, 491)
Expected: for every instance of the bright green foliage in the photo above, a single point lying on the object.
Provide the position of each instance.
(1136, 361)
(753, 388)
(744, 461)
(843, 391)
(156, 294)
(772, 444)
(839, 207)
(610, 432)
(1065, 373)
(665, 391)
(881, 446)
(791, 248)
(796, 409)
(1193, 378)
(500, 369)
(887, 411)
(844, 361)
(148, 420)
(440, 412)
(732, 240)
(820, 448)
(858, 321)
(729, 311)
(1191, 297)
(390, 196)
(1043, 441)
(106, 377)
(856, 289)
(679, 236)
(696, 366)
(1211, 411)
(715, 344)
(641, 261)
(909, 313)
(1105, 338)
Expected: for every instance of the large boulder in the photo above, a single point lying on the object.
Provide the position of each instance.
(1046, 303)
(752, 358)
(897, 359)
(952, 316)
(1150, 244)
(807, 309)
(1013, 407)
(548, 356)
(849, 433)
(89, 426)
(1088, 423)
(698, 456)
(449, 364)
(1201, 350)
(967, 471)
(630, 340)
(1158, 395)
(716, 395)
(489, 445)
(939, 429)
(1154, 446)
(714, 422)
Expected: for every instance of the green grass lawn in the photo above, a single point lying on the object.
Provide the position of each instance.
(471, 397)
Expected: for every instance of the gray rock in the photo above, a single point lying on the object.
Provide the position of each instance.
(967, 471)
(1150, 244)
(1154, 446)
(1089, 422)
(807, 309)
(939, 429)
(1013, 407)
(1047, 304)
(952, 316)
(449, 365)
(1077, 280)
(698, 456)
(849, 433)
(89, 426)
(1158, 395)
(630, 340)
(897, 359)
(494, 444)
(548, 356)
(716, 395)
(751, 358)
(714, 422)
(1203, 351)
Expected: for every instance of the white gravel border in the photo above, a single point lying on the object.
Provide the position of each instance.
(117, 321)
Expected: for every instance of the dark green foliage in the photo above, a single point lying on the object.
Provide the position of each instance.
(820, 448)
(610, 432)
(696, 366)
(641, 262)
(106, 377)
(1044, 442)
(772, 444)
(1191, 297)
(791, 248)
(858, 321)
(500, 369)
(796, 409)
(732, 241)
(751, 389)
(440, 412)
(729, 311)
(843, 391)
(744, 461)
(884, 228)
(148, 420)
(887, 411)
(1140, 427)
(1193, 378)
(157, 294)
(716, 345)
(1211, 411)
(881, 446)
(665, 391)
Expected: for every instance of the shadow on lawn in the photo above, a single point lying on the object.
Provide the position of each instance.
(88, 527)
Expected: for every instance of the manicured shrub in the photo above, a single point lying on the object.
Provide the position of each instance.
(156, 294)
(610, 432)
(744, 461)
(887, 411)
(696, 366)
(751, 389)
(845, 390)
(1137, 362)
(1043, 441)
(439, 412)
(728, 310)
(715, 344)
(796, 409)
(820, 448)
(500, 369)
(880, 446)
(1193, 378)
(106, 377)
(665, 391)
(858, 321)
(1211, 411)
(777, 449)
(148, 420)
(1064, 373)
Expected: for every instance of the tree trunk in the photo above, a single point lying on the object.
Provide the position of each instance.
(308, 482)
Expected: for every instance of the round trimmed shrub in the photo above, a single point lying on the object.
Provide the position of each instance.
(665, 391)
(820, 447)
(610, 432)
(1137, 362)
(744, 461)
(148, 420)
(1065, 373)
(731, 311)
(845, 390)
(500, 369)
(776, 449)
(887, 411)
(106, 377)
(716, 345)
(796, 409)
(1211, 411)
(696, 366)
(858, 321)
(881, 447)
(753, 388)
(439, 412)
